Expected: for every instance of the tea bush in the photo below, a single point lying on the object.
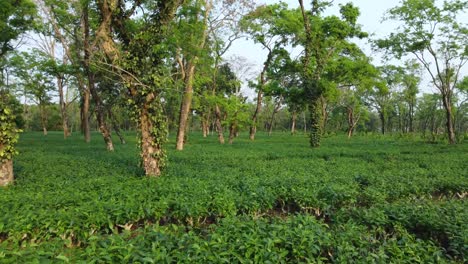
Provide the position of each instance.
(275, 200)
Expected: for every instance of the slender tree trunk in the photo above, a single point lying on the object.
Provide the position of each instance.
(232, 132)
(305, 122)
(185, 107)
(275, 111)
(100, 115)
(63, 108)
(103, 128)
(205, 126)
(85, 116)
(382, 121)
(324, 118)
(6, 172)
(449, 116)
(263, 80)
(293, 122)
(253, 126)
(271, 123)
(43, 119)
(352, 121)
(219, 126)
(411, 117)
(116, 126)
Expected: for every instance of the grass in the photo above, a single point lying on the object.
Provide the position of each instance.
(368, 199)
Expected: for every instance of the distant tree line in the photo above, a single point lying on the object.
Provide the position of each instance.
(160, 66)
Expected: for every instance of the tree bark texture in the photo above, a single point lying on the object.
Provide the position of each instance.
(258, 108)
(232, 132)
(205, 126)
(352, 121)
(100, 115)
(293, 122)
(116, 126)
(185, 107)
(102, 33)
(85, 115)
(315, 123)
(449, 116)
(152, 155)
(63, 108)
(263, 80)
(382, 121)
(43, 110)
(6, 172)
(219, 126)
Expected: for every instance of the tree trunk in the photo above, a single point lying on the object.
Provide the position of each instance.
(43, 119)
(85, 116)
(305, 122)
(293, 123)
(449, 116)
(219, 126)
(99, 109)
(411, 117)
(63, 108)
(91, 82)
(151, 148)
(324, 118)
(352, 121)
(315, 123)
(6, 172)
(185, 107)
(232, 133)
(382, 121)
(116, 127)
(205, 127)
(253, 126)
(263, 81)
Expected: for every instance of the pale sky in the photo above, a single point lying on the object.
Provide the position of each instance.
(370, 19)
(372, 12)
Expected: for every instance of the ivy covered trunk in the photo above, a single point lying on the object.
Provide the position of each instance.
(315, 123)
(8, 139)
(153, 133)
(6, 172)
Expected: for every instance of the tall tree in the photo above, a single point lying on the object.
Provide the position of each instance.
(270, 26)
(16, 17)
(435, 35)
(193, 26)
(224, 29)
(325, 37)
(141, 67)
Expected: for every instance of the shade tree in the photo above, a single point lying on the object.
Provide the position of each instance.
(435, 35)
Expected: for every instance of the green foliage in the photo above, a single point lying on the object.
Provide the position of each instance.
(8, 132)
(370, 199)
(16, 17)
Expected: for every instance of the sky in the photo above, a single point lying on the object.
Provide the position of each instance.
(372, 12)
